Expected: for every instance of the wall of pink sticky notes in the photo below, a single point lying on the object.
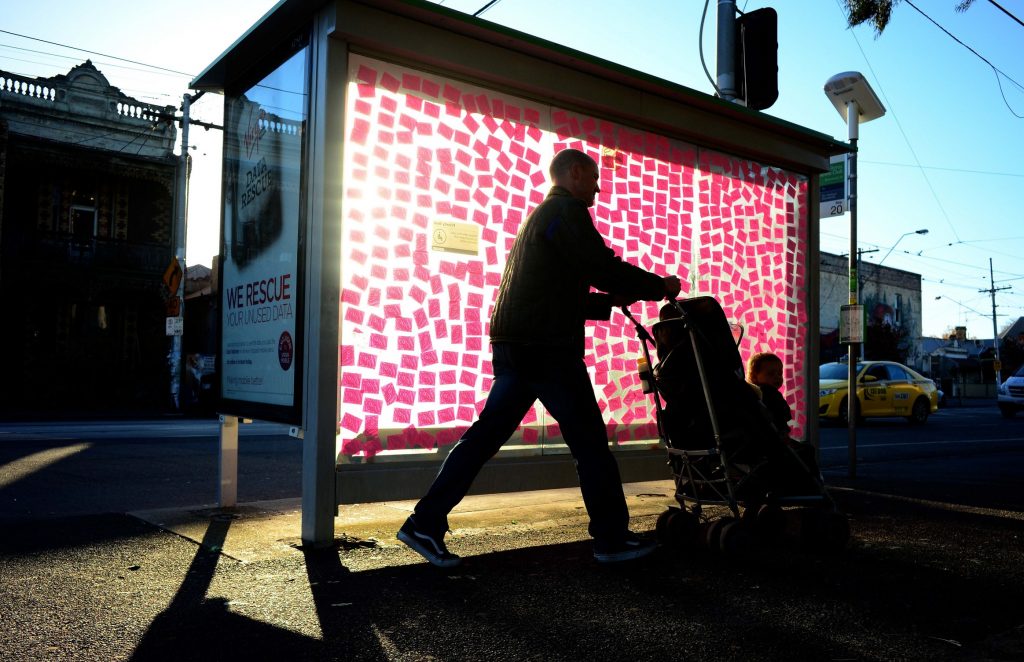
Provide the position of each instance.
(423, 150)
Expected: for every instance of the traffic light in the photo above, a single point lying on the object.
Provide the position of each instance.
(757, 58)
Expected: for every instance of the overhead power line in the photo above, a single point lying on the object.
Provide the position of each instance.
(995, 69)
(1003, 9)
(85, 50)
(77, 58)
(964, 170)
(486, 7)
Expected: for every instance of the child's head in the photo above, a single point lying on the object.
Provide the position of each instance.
(765, 368)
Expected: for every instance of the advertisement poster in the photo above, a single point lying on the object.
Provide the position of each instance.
(260, 281)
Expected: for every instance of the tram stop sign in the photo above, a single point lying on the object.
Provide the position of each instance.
(833, 188)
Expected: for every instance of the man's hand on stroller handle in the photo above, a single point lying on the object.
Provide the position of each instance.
(672, 286)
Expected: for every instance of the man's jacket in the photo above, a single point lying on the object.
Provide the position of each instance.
(544, 297)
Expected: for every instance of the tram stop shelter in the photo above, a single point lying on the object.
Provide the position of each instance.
(379, 157)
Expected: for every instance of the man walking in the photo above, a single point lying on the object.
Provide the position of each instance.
(537, 342)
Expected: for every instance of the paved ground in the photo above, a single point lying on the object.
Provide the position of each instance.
(922, 579)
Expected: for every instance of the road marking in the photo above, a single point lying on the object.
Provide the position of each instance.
(927, 443)
(955, 507)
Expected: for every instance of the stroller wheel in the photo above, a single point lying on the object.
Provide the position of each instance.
(825, 532)
(661, 528)
(681, 529)
(735, 540)
(714, 531)
(769, 522)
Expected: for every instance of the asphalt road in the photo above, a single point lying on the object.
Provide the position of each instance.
(74, 468)
(958, 430)
(967, 455)
(52, 469)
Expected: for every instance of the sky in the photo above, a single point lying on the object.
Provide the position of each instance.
(946, 157)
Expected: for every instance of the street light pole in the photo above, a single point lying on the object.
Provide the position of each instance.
(856, 102)
(853, 122)
(921, 231)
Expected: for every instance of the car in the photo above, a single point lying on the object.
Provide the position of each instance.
(884, 388)
(1011, 394)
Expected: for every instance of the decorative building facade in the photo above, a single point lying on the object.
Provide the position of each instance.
(87, 181)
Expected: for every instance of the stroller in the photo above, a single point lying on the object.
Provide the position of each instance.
(723, 448)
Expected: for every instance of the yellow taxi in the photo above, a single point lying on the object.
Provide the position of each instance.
(884, 388)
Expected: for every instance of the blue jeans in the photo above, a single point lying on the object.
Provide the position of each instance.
(523, 374)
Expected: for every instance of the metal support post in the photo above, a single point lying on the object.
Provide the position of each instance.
(726, 62)
(227, 486)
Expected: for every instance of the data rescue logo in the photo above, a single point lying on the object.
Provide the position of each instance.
(285, 350)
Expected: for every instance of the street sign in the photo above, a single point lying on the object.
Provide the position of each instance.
(175, 326)
(172, 276)
(851, 324)
(833, 188)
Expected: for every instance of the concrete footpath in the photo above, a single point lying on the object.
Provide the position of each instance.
(923, 578)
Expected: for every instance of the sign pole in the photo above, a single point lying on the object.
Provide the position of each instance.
(852, 114)
(180, 225)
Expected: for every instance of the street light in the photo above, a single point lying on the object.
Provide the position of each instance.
(962, 305)
(855, 102)
(921, 231)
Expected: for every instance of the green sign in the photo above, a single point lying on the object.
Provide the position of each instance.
(832, 188)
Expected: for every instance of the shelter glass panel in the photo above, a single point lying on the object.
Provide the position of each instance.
(264, 139)
(438, 176)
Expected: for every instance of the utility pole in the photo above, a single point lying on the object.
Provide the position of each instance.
(180, 224)
(860, 252)
(995, 333)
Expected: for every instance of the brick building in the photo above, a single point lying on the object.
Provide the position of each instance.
(889, 296)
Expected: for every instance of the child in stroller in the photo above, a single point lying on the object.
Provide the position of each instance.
(759, 451)
(724, 448)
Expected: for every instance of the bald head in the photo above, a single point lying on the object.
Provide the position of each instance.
(563, 162)
(578, 173)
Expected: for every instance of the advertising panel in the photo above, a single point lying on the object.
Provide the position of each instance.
(265, 128)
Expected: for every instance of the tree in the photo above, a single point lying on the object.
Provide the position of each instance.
(878, 12)
(885, 342)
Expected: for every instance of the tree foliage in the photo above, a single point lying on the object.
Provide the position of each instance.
(885, 342)
(878, 12)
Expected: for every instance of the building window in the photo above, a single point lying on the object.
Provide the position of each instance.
(897, 316)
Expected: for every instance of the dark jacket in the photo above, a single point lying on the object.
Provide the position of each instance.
(777, 406)
(545, 297)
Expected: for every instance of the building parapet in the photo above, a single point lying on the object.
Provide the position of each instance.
(84, 93)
